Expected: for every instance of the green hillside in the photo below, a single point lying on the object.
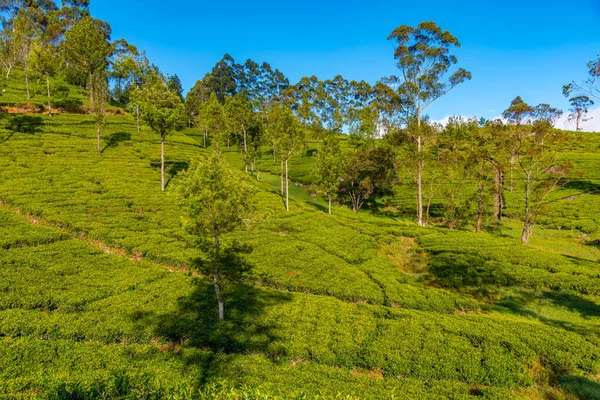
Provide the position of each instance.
(97, 298)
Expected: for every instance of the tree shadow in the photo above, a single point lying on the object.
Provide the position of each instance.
(195, 322)
(116, 138)
(583, 186)
(173, 168)
(29, 124)
(584, 388)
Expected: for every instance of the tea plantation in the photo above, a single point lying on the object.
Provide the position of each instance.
(99, 297)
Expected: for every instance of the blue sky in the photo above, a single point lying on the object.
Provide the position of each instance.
(528, 48)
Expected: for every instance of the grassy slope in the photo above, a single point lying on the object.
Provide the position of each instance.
(340, 301)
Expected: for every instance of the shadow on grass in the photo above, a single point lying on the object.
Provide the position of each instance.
(24, 124)
(116, 138)
(195, 324)
(584, 186)
(582, 387)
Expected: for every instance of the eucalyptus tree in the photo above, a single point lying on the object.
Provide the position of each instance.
(217, 202)
(425, 60)
(328, 168)
(161, 109)
(580, 106)
(240, 116)
(519, 117)
(288, 142)
(590, 87)
(541, 171)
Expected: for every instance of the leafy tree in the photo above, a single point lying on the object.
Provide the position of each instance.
(518, 117)
(217, 202)
(86, 49)
(328, 168)
(174, 84)
(541, 172)
(214, 118)
(241, 116)
(367, 174)
(161, 109)
(580, 106)
(364, 126)
(424, 58)
(288, 142)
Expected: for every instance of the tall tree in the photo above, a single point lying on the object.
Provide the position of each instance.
(161, 109)
(424, 58)
(86, 49)
(590, 87)
(217, 202)
(174, 84)
(288, 142)
(240, 115)
(328, 168)
(580, 106)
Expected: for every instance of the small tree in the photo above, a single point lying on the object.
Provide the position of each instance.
(541, 171)
(328, 167)
(368, 173)
(98, 105)
(580, 106)
(217, 201)
(213, 118)
(161, 109)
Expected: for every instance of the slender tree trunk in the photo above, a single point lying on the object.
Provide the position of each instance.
(49, 97)
(162, 162)
(245, 150)
(205, 134)
(420, 166)
(527, 225)
(282, 187)
(216, 278)
(287, 187)
(27, 85)
(98, 132)
(330, 205)
(8, 70)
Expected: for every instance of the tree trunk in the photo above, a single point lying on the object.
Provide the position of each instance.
(527, 224)
(8, 70)
(27, 85)
(137, 117)
(287, 187)
(329, 205)
(282, 187)
(420, 165)
(49, 97)
(98, 132)
(162, 162)
(216, 278)
(205, 134)
(245, 150)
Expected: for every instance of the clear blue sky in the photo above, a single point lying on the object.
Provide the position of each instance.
(528, 47)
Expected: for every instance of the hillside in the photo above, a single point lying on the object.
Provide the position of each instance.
(97, 295)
